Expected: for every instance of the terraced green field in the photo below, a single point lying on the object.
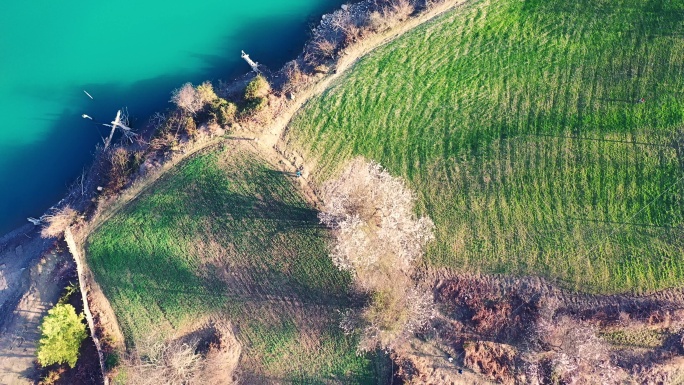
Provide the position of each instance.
(543, 137)
(227, 236)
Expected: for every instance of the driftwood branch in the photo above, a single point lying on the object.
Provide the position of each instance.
(121, 121)
(36, 222)
(253, 64)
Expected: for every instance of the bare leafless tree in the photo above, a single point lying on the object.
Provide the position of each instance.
(377, 238)
(186, 98)
(295, 78)
(347, 25)
(324, 47)
(401, 9)
(192, 100)
(372, 214)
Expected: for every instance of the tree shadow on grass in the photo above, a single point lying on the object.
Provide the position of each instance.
(150, 257)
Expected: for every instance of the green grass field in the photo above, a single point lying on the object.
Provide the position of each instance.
(519, 125)
(223, 234)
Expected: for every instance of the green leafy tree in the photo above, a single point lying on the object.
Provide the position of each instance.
(257, 88)
(62, 333)
(223, 111)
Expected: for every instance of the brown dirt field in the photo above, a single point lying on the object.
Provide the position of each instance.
(427, 362)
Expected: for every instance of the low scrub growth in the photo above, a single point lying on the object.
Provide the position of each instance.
(223, 111)
(58, 221)
(257, 88)
(182, 362)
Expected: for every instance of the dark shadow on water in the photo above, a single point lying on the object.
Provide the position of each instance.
(38, 174)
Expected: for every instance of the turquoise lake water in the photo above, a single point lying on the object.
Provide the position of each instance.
(125, 53)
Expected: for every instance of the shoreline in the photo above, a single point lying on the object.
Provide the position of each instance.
(268, 139)
(341, 63)
(96, 207)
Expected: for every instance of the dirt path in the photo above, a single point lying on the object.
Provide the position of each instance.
(351, 55)
(270, 141)
(32, 284)
(31, 281)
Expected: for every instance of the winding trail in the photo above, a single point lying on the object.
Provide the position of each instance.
(270, 141)
(266, 140)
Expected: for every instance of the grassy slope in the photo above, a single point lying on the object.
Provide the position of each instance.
(517, 124)
(225, 234)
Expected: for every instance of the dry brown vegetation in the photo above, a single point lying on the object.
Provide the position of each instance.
(208, 361)
(348, 27)
(490, 359)
(295, 77)
(351, 25)
(122, 164)
(58, 221)
(525, 331)
(193, 99)
(377, 239)
(389, 15)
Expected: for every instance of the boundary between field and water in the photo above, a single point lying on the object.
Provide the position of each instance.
(268, 144)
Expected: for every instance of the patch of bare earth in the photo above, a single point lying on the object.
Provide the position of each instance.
(525, 330)
(31, 280)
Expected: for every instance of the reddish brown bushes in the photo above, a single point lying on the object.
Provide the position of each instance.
(496, 361)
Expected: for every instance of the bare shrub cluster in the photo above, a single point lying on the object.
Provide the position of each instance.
(122, 164)
(179, 362)
(347, 25)
(165, 363)
(192, 99)
(58, 221)
(295, 77)
(389, 15)
(578, 354)
(377, 238)
(352, 24)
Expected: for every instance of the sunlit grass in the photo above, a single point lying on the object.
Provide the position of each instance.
(223, 234)
(521, 127)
